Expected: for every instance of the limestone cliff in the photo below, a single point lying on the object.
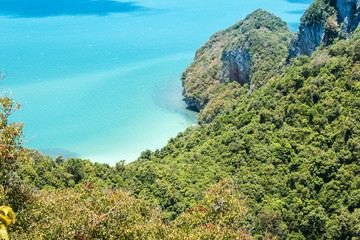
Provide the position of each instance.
(236, 66)
(348, 13)
(324, 21)
(234, 62)
(307, 40)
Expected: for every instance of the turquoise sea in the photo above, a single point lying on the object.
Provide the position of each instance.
(100, 79)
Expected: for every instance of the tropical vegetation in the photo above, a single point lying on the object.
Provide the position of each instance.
(279, 160)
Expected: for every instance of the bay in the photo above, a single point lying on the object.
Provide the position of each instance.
(102, 81)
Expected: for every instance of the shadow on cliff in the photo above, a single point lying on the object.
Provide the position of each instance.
(52, 8)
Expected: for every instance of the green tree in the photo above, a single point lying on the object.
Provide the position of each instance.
(10, 153)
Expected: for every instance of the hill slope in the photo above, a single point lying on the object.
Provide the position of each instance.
(293, 147)
(234, 62)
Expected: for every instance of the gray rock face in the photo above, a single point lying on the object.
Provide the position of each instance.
(236, 66)
(347, 13)
(311, 36)
(307, 40)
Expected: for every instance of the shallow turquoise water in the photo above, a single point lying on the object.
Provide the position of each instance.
(103, 83)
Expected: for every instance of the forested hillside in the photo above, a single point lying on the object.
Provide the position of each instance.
(293, 147)
(277, 153)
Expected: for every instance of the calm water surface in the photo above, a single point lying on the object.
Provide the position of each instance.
(100, 79)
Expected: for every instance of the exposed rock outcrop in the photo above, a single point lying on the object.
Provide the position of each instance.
(324, 21)
(348, 13)
(307, 40)
(237, 66)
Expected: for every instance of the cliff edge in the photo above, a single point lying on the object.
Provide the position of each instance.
(323, 22)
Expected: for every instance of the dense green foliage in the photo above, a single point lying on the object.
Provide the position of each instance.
(262, 36)
(291, 148)
(42, 172)
(319, 12)
(85, 212)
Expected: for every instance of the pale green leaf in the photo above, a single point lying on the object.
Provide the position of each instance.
(3, 232)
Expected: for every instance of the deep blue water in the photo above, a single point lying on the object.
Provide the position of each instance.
(100, 79)
(50, 8)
